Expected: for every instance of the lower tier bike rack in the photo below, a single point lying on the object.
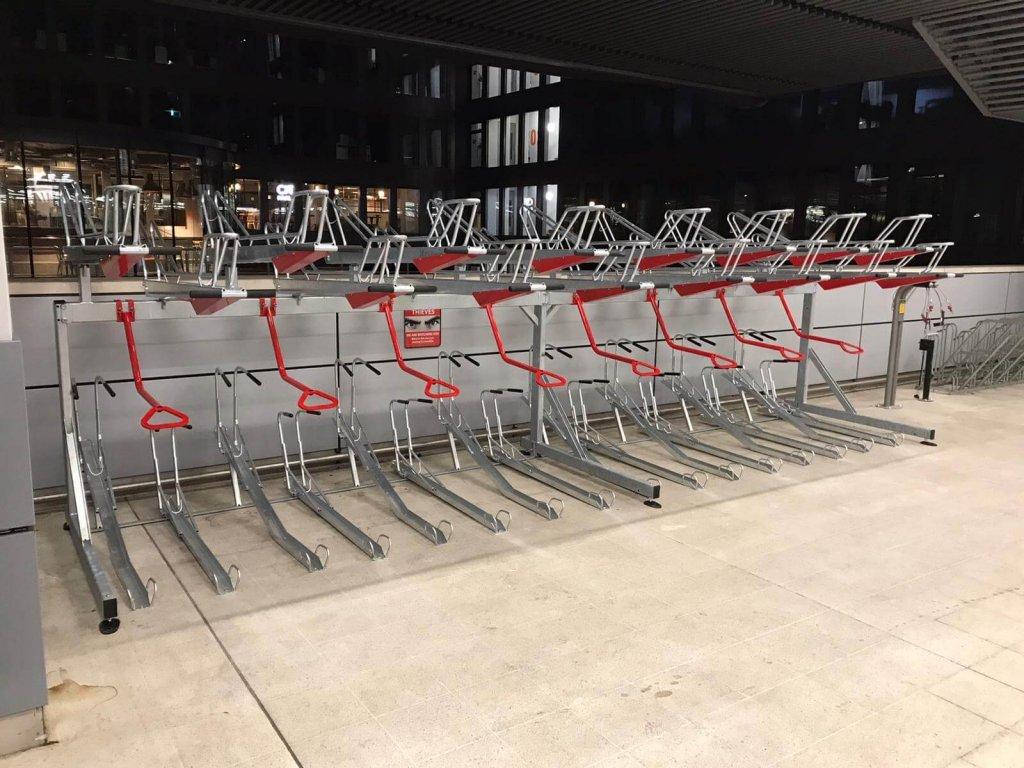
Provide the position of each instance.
(360, 453)
(410, 466)
(502, 450)
(597, 443)
(450, 415)
(579, 458)
(303, 487)
(101, 491)
(243, 473)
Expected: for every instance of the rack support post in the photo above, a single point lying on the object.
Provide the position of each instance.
(807, 327)
(540, 318)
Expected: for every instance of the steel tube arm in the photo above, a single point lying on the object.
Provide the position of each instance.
(846, 346)
(544, 378)
(787, 354)
(639, 367)
(435, 388)
(718, 361)
(126, 316)
(312, 400)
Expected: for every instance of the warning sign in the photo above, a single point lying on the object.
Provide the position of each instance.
(422, 328)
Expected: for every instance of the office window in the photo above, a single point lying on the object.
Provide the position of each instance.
(244, 195)
(530, 193)
(552, 118)
(165, 109)
(437, 148)
(510, 217)
(123, 105)
(185, 207)
(378, 208)
(45, 165)
(512, 140)
(552, 79)
(531, 80)
(350, 196)
(550, 204)
(877, 104)
(476, 81)
(494, 143)
(119, 36)
(344, 147)
(436, 82)
(409, 149)
(511, 80)
(409, 211)
(933, 97)
(491, 211)
(870, 193)
(531, 137)
(494, 81)
(277, 137)
(12, 210)
(476, 145)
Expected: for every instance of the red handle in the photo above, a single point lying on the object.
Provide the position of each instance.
(846, 346)
(639, 367)
(312, 400)
(125, 313)
(789, 355)
(545, 379)
(718, 361)
(435, 389)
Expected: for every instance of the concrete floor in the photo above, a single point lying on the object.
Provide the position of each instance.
(863, 612)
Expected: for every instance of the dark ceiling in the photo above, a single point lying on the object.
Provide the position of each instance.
(756, 47)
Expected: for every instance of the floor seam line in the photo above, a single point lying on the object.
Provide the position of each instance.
(224, 650)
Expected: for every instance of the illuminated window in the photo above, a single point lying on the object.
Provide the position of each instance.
(552, 118)
(512, 140)
(531, 136)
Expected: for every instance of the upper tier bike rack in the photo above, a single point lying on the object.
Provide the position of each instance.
(360, 452)
(243, 473)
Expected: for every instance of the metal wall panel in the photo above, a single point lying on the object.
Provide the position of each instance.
(22, 675)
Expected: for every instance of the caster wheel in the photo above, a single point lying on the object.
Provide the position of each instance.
(652, 504)
(109, 626)
(66, 526)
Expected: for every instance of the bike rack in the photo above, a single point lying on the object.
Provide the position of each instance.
(579, 456)
(787, 355)
(845, 346)
(450, 415)
(97, 476)
(243, 473)
(353, 438)
(615, 395)
(303, 487)
(503, 451)
(176, 508)
(410, 467)
(543, 378)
